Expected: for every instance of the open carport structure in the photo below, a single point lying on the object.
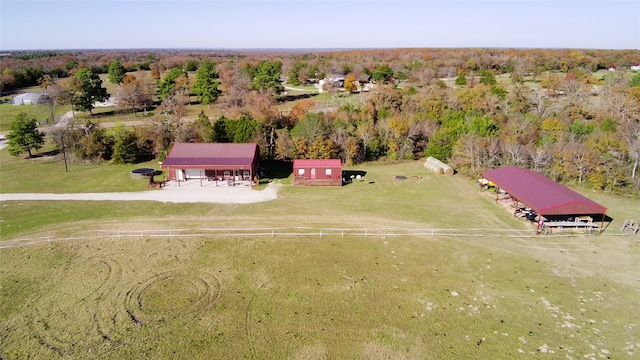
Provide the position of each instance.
(544, 196)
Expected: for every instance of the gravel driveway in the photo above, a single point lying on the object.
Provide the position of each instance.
(188, 192)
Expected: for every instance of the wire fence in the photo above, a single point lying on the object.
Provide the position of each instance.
(289, 232)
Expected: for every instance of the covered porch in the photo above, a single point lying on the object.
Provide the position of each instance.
(218, 176)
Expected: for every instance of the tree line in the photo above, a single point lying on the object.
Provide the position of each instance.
(552, 115)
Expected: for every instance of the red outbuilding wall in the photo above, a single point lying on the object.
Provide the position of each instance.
(317, 172)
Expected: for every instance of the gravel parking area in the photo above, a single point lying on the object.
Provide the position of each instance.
(186, 192)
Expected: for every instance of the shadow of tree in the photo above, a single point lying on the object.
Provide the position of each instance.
(277, 169)
(349, 176)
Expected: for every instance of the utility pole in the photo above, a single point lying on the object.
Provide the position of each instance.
(64, 153)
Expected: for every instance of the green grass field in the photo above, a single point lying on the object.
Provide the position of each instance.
(503, 293)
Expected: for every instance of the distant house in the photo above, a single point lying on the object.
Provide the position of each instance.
(30, 99)
(635, 67)
(212, 162)
(336, 81)
(317, 172)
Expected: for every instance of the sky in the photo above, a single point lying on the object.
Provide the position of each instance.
(319, 24)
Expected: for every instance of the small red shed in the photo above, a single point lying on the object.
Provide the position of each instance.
(317, 172)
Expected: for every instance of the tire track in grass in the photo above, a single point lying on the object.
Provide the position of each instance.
(190, 295)
(70, 327)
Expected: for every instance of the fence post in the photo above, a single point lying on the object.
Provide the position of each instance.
(272, 232)
(320, 233)
(342, 233)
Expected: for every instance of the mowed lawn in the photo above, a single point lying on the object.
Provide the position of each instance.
(505, 294)
(311, 298)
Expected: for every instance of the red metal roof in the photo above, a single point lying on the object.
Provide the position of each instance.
(542, 194)
(326, 163)
(211, 154)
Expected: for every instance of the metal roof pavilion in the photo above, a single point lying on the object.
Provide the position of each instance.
(543, 195)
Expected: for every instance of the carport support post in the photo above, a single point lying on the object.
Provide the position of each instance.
(602, 224)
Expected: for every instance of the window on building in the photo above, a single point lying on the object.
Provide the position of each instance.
(327, 171)
(300, 172)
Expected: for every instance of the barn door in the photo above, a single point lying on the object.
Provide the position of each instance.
(313, 173)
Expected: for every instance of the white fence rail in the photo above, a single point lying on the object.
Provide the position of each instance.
(285, 232)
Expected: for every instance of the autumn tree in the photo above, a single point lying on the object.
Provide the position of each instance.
(350, 83)
(44, 82)
(206, 86)
(235, 86)
(322, 149)
(133, 94)
(299, 110)
(24, 135)
(88, 141)
(366, 132)
(64, 92)
(284, 148)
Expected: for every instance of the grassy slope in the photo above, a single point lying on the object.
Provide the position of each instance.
(306, 297)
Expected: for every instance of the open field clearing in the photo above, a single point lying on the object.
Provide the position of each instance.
(427, 267)
(311, 298)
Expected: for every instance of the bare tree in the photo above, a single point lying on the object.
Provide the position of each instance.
(540, 157)
(133, 94)
(235, 86)
(366, 132)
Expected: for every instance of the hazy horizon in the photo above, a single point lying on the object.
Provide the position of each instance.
(347, 24)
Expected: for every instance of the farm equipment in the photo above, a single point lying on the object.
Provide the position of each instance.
(631, 227)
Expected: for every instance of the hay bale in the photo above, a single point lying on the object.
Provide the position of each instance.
(438, 166)
(448, 170)
(433, 165)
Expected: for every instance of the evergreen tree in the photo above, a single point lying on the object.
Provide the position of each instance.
(90, 90)
(267, 75)
(207, 83)
(167, 85)
(294, 74)
(116, 72)
(125, 146)
(487, 78)
(461, 80)
(382, 73)
(24, 135)
(635, 80)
